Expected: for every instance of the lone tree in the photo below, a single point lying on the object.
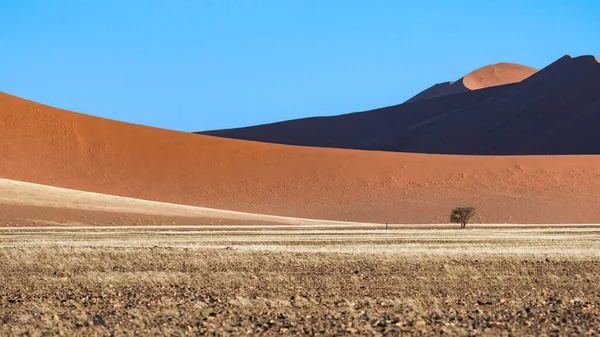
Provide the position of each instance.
(462, 215)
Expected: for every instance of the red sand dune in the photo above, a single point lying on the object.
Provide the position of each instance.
(554, 111)
(497, 74)
(50, 146)
(484, 77)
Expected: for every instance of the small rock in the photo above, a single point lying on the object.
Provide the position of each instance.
(99, 321)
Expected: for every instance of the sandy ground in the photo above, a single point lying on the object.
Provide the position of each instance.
(24, 205)
(176, 281)
(565, 242)
(165, 284)
(27, 204)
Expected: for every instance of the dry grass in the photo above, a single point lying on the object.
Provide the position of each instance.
(176, 283)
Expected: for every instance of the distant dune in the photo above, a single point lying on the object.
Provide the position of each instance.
(554, 111)
(55, 147)
(484, 77)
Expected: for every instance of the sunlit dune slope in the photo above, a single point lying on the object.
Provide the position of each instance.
(50, 146)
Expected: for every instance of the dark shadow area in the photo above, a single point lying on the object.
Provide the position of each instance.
(554, 112)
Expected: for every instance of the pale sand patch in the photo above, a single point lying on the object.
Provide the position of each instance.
(23, 193)
(35, 195)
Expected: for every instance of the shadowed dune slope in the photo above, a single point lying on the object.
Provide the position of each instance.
(484, 77)
(55, 147)
(554, 111)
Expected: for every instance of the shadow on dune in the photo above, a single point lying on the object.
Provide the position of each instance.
(554, 111)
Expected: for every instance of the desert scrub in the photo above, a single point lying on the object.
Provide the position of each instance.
(105, 290)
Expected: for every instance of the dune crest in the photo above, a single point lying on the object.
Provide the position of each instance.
(484, 77)
(497, 74)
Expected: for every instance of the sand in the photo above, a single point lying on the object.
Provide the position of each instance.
(50, 146)
(484, 77)
(554, 111)
(26, 204)
(497, 74)
(567, 243)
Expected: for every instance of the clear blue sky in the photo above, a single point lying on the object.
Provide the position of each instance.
(206, 64)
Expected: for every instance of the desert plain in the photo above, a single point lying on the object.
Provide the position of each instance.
(189, 281)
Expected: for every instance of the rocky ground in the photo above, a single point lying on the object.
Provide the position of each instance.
(125, 282)
(177, 291)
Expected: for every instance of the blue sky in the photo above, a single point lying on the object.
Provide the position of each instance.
(206, 64)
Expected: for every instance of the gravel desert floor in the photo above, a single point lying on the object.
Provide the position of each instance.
(186, 281)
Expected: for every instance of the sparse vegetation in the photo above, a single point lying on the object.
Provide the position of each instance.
(462, 215)
(171, 291)
(146, 283)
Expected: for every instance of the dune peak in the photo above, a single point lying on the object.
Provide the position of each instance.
(590, 57)
(496, 74)
(488, 76)
(579, 59)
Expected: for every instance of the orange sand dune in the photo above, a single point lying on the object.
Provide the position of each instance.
(484, 77)
(55, 147)
(497, 74)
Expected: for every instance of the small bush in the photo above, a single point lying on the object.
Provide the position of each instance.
(462, 215)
